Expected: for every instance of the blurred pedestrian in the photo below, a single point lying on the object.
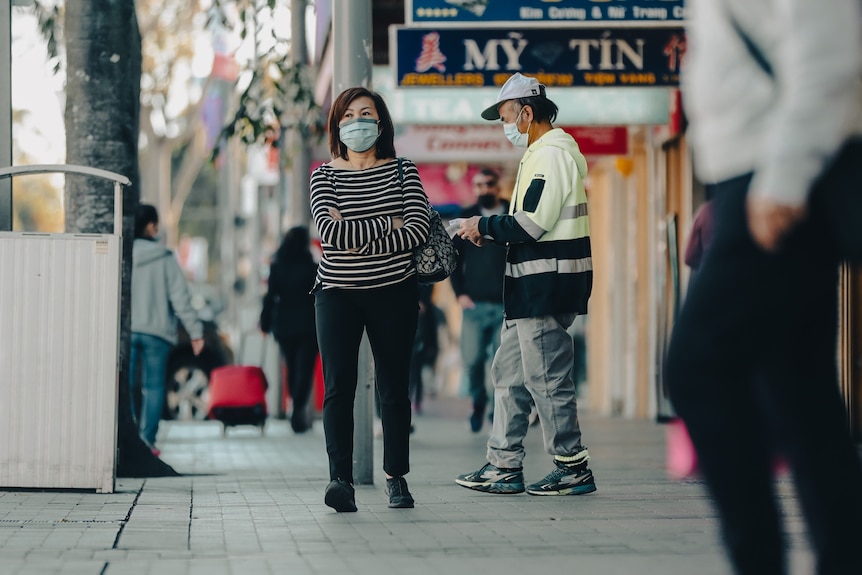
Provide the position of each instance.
(681, 455)
(548, 280)
(369, 224)
(478, 284)
(770, 90)
(160, 296)
(425, 346)
(288, 313)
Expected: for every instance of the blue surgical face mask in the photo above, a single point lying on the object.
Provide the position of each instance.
(514, 135)
(359, 134)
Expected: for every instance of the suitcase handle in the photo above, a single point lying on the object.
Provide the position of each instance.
(243, 347)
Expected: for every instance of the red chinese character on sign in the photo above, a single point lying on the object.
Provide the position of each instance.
(431, 56)
(675, 51)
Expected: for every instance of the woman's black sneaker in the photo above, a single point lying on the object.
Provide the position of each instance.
(399, 497)
(340, 496)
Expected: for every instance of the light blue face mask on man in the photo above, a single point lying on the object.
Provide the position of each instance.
(514, 135)
(359, 134)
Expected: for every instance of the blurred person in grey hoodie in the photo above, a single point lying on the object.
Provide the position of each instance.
(771, 93)
(547, 283)
(160, 296)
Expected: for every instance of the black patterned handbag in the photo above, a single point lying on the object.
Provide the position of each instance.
(434, 259)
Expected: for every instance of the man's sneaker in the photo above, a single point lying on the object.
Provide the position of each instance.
(340, 496)
(399, 496)
(565, 479)
(491, 479)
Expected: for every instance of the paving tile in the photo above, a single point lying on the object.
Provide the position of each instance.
(248, 504)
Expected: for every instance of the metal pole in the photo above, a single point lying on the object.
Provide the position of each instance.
(227, 202)
(300, 210)
(5, 112)
(351, 43)
(283, 185)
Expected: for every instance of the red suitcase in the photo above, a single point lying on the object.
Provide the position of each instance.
(238, 396)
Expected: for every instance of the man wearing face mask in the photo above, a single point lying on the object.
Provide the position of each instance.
(547, 283)
(478, 283)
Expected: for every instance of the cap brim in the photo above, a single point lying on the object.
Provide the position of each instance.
(491, 112)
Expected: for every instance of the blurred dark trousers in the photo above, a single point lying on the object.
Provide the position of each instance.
(299, 353)
(480, 338)
(389, 316)
(751, 370)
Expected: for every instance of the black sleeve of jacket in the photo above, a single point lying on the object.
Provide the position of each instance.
(457, 276)
(504, 230)
(461, 245)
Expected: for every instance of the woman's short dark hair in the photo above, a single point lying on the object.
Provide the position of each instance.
(144, 216)
(544, 110)
(385, 146)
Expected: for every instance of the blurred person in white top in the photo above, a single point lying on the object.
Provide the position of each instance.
(770, 88)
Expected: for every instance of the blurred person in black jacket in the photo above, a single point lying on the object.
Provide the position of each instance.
(478, 283)
(288, 313)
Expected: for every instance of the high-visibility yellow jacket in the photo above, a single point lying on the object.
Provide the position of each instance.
(549, 265)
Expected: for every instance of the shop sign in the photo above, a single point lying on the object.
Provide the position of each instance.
(544, 12)
(436, 144)
(601, 140)
(578, 106)
(488, 144)
(471, 57)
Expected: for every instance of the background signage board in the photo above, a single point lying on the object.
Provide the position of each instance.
(545, 13)
(488, 144)
(578, 106)
(478, 57)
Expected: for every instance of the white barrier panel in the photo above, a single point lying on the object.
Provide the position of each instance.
(59, 338)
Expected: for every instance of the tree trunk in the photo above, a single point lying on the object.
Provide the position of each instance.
(103, 50)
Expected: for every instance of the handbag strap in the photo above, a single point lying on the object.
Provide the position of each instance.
(750, 45)
(401, 181)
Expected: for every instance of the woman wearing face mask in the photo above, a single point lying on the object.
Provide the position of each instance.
(369, 224)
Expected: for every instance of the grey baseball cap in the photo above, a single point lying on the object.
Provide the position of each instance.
(517, 86)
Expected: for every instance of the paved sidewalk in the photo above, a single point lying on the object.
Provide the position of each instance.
(249, 504)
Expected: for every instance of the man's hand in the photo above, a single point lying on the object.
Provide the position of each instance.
(335, 214)
(198, 345)
(397, 222)
(770, 222)
(466, 302)
(469, 230)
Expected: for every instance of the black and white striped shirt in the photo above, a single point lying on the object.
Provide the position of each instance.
(362, 250)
